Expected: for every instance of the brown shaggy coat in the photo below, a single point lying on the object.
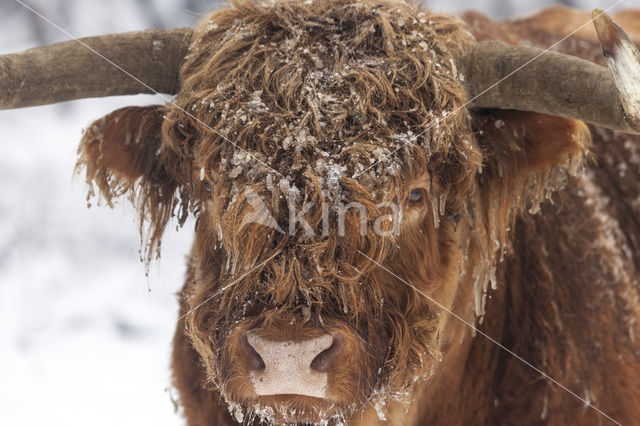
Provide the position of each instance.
(315, 88)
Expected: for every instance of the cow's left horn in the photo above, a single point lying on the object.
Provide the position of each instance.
(529, 79)
(93, 67)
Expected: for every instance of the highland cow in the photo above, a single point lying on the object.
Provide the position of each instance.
(402, 217)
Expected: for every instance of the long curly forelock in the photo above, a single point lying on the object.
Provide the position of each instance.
(325, 87)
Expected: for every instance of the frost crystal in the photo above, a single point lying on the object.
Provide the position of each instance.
(334, 174)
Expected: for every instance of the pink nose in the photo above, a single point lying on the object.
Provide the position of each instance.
(295, 367)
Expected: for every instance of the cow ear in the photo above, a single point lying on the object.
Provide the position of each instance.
(121, 155)
(525, 143)
(121, 148)
(526, 156)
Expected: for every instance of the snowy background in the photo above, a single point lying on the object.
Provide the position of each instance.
(84, 335)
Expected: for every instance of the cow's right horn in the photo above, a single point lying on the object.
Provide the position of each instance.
(529, 79)
(117, 64)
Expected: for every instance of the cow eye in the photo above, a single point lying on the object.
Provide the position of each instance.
(417, 196)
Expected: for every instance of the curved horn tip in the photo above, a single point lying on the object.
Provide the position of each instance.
(609, 33)
(623, 59)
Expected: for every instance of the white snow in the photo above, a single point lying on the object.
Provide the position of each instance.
(84, 335)
(77, 314)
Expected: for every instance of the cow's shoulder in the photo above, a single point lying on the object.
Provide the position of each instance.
(484, 28)
(563, 29)
(561, 22)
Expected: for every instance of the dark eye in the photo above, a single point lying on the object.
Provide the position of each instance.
(417, 196)
(207, 185)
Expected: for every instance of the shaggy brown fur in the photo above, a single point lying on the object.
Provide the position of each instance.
(289, 101)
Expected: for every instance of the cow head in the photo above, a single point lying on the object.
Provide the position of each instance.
(347, 194)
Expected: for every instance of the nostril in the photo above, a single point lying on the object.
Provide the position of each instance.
(253, 358)
(325, 359)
